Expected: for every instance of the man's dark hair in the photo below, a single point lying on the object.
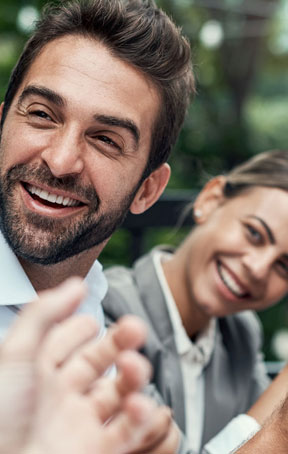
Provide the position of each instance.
(135, 31)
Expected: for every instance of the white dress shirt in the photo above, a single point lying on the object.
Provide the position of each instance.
(17, 290)
(194, 356)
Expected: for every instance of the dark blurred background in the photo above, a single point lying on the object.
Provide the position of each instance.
(240, 57)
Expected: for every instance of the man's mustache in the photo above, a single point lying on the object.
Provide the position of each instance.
(41, 174)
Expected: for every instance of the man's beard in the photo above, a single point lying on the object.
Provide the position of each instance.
(56, 240)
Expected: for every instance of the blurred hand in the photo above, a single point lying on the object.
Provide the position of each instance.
(53, 397)
(163, 438)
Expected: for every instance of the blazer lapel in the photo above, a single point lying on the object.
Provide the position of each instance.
(167, 371)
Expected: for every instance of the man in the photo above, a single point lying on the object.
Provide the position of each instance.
(92, 109)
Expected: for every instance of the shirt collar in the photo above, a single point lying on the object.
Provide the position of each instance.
(14, 283)
(16, 287)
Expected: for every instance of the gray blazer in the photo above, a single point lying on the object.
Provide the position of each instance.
(235, 376)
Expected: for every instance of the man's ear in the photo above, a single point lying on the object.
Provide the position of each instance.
(1, 110)
(210, 198)
(151, 189)
(1, 114)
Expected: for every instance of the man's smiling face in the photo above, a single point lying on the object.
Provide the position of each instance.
(74, 147)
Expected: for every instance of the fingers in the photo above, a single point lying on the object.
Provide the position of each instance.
(168, 445)
(17, 395)
(157, 433)
(92, 360)
(107, 395)
(138, 421)
(28, 331)
(66, 338)
(134, 372)
(130, 333)
(129, 427)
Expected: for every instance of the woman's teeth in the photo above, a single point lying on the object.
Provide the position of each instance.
(229, 281)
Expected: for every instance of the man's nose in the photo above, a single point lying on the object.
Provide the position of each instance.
(64, 154)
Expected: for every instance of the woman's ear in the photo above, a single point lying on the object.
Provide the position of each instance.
(210, 197)
(151, 189)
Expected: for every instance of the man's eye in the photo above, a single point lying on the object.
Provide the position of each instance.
(40, 114)
(106, 144)
(107, 140)
(254, 234)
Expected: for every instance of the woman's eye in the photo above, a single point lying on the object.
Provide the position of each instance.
(254, 234)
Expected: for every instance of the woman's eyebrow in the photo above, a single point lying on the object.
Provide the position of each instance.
(266, 227)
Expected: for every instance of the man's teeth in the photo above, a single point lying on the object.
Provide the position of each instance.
(228, 280)
(45, 195)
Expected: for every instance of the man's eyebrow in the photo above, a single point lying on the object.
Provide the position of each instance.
(36, 90)
(266, 227)
(59, 101)
(122, 123)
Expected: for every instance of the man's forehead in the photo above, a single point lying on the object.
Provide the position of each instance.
(91, 58)
(82, 70)
(91, 50)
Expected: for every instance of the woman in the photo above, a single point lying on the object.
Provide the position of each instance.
(204, 341)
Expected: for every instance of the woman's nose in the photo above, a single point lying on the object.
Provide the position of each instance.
(258, 264)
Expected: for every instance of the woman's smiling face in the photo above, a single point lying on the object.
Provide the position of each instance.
(237, 255)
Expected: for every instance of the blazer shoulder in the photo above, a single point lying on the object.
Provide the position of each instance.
(122, 296)
(243, 328)
(138, 291)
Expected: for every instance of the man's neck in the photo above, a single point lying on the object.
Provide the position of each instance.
(44, 277)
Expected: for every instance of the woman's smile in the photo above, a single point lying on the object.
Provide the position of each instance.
(231, 282)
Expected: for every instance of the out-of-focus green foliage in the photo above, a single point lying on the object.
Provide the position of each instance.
(242, 82)
(12, 34)
(240, 58)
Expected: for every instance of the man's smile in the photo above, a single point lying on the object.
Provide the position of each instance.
(51, 197)
(52, 202)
